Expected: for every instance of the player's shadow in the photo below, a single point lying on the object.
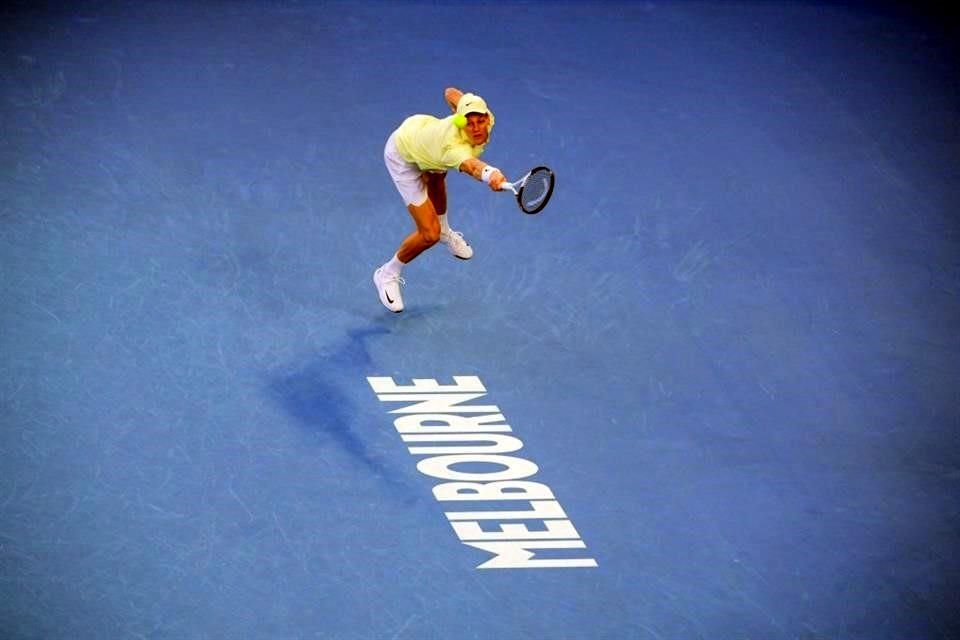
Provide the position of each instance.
(318, 397)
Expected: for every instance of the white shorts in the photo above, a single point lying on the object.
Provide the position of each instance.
(407, 176)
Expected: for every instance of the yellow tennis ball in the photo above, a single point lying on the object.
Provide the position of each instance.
(460, 120)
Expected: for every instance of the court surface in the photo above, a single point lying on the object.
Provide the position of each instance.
(728, 349)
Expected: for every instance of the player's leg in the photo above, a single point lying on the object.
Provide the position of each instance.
(437, 194)
(387, 277)
(426, 234)
(436, 184)
(410, 184)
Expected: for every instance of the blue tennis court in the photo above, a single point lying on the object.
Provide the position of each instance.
(712, 391)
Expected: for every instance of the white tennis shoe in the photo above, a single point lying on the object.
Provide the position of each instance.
(456, 244)
(388, 287)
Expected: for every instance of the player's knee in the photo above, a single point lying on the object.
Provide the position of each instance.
(430, 236)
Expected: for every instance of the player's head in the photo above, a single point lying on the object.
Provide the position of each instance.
(474, 118)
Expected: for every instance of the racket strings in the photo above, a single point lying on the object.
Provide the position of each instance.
(535, 190)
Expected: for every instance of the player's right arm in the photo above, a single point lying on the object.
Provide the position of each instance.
(484, 172)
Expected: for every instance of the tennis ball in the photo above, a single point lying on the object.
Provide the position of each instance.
(460, 120)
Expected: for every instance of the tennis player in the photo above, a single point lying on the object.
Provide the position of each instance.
(418, 155)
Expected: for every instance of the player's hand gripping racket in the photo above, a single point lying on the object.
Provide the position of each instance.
(533, 190)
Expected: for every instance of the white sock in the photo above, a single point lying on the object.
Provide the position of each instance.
(444, 225)
(393, 265)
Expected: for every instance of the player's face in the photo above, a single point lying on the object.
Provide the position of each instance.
(476, 128)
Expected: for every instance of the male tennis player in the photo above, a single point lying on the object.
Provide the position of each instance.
(418, 155)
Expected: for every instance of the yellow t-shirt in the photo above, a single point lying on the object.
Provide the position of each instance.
(434, 144)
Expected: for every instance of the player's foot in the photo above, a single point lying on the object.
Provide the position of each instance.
(457, 245)
(388, 286)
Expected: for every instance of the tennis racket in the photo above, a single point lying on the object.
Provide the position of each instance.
(533, 190)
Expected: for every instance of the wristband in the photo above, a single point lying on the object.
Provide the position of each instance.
(487, 173)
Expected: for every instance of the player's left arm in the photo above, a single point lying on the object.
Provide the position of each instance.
(452, 95)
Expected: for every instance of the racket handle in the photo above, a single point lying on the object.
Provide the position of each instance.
(510, 186)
